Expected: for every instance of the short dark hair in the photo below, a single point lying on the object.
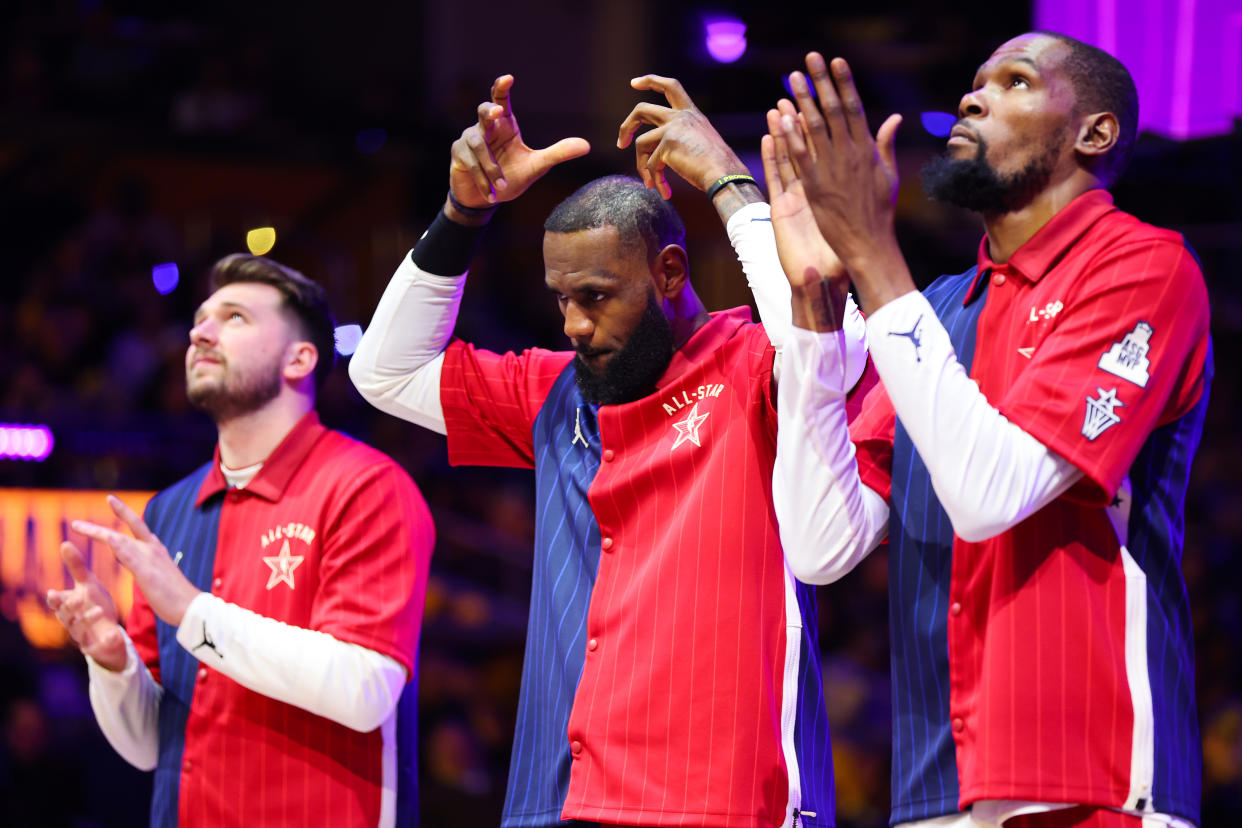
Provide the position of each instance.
(623, 202)
(1103, 84)
(302, 300)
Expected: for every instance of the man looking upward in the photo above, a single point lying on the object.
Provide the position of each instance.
(1041, 413)
(264, 671)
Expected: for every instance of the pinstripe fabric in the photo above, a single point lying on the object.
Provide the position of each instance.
(182, 528)
(920, 536)
(562, 579)
(1028, 632)
(1157, 525)
(659, 594)
(228, 755)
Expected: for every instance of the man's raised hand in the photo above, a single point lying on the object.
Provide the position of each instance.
(490, 162)
(166, 589)
(681, 139)
(817, 277)
(88, 612)
(850, 179)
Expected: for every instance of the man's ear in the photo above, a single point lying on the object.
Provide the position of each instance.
(1098, 135)
(671, 270)
(301, 357)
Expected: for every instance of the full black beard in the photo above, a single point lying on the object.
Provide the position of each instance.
(634, 368)
(975, 185)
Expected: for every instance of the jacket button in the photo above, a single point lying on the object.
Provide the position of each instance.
(202, 673)
(606, 544)
(575, 747)
(955, 609)
(608, 455)
(958, 725)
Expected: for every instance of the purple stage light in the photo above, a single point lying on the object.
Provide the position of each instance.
(725, 39)
(370, 141)
(938, 123)
(347, 337)
(1185, 56)
(165, 278)
(25, 442)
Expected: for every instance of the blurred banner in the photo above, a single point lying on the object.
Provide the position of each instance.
(33, 524)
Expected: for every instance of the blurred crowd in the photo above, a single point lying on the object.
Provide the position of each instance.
(128, 142)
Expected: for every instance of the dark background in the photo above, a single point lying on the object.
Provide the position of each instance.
(134, 134)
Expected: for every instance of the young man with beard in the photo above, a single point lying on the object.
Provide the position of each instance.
(1041, 413)
(264, 670)
(671, 674)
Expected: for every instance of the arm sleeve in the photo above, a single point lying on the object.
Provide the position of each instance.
(344, 682)
(396, 366)
(398, 362)
(988, 474)
(127, 707)
(829, 520)
(754, 242)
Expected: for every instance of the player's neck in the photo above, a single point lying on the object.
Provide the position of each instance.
(1008, 231)
(688, 315)
(250, 438)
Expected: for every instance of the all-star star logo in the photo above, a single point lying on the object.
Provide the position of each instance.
(688, 429)
(282, 566)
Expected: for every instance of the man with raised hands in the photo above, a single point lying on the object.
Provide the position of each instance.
(265, 670)
(1032, 443)
(671, 674)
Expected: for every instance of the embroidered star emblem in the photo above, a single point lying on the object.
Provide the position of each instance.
(282, 567)
(688, 429)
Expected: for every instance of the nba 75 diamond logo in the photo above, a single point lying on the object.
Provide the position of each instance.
(1100, 413)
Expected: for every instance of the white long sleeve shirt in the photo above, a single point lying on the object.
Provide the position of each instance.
(958, 434)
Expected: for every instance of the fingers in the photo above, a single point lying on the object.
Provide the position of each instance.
(819, 131)
(886, 142)
(132, 519)
(465, 160)
(100, 533)
(851, 104)
(767, 152)
(643, 113)
(783, 172)
(563, 150)
(500, 94)
(484, 169)
(800, 153)
(671, 88)
(75, 563)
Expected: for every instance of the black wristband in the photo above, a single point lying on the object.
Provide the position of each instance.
(473, 212)
(725, 180)
(447, 247)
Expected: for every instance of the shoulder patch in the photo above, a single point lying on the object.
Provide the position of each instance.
(1128, 358)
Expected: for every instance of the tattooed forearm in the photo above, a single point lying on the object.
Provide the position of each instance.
(819, 306)
(734, 197)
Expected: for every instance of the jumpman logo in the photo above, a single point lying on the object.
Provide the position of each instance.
(207, 642)
(578, 436)
(913, 335)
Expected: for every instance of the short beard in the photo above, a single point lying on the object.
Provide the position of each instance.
(236, 396)
(975, 185)
(632, 371)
